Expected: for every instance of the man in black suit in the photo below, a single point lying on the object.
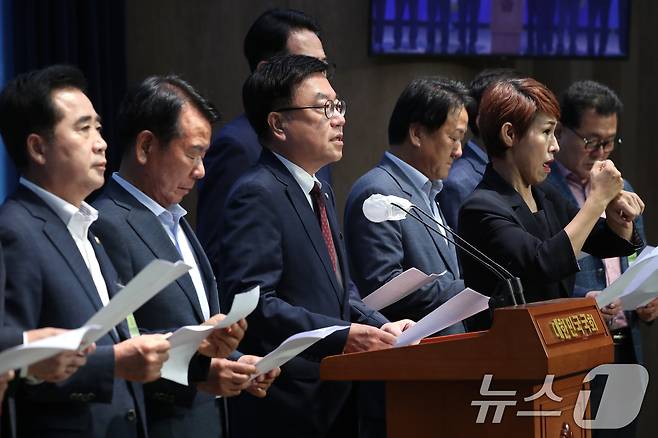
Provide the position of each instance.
(165, 126)
(236, 148)
(60, 274)
(280, 232)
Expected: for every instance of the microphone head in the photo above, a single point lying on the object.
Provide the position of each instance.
(380, 208)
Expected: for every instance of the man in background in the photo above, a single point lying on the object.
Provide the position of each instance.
(237, 148)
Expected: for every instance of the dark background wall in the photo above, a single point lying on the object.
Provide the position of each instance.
(202, 40)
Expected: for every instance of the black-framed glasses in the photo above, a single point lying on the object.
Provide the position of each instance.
(594, 144)
(331, 108)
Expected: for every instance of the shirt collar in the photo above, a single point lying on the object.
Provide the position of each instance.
(305, 180)
(77, 220)
(173, 214)
(420, 181)
(569, 175)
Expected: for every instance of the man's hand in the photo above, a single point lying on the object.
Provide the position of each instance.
(61, 366)
(140, 359)
(259, 386)
(649, 311)
(366, 338)
(626, 207)
(607, 312)
(606, 181)
(397, 327)
(222, 342)
(227, 378)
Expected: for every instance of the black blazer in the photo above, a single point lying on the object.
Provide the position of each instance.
(272, 237)
(498, 222)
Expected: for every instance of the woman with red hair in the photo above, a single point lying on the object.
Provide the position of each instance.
(523, 223)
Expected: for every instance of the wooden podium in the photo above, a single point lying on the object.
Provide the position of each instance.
(431, 387)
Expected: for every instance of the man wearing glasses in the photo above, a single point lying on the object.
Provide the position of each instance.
(590, 116)
(280, 231)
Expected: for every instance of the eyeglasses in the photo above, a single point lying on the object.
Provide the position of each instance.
(331, 108)
(594, 144)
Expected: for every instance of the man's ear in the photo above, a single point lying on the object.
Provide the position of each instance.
(277, 124)
(416, 132)
(36, 148)
(144, 144)
(507, 134)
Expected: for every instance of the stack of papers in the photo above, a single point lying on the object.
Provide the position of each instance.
(637, 286)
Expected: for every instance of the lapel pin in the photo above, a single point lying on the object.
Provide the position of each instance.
(97, 240)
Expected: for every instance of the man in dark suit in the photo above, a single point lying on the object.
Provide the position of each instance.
(236, 148)
(60, 274)
(466, 172)
(425, 132)
(590, 115)
(280, 231)
(165, 126)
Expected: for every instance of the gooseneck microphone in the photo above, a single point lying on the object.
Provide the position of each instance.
(380, 208)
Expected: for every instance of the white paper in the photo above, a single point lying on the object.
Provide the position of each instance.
(185, 341)
(151, 280)
(639, 284)
(293, 346)
(144, 286)
(466, 303)
(28, 354)
(399, 287)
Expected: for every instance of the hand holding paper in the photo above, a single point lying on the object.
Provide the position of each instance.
(222, 341)
(466, 303)
(140, 359)
(261, 383)
(227, 378)
(293, 346)
(367, 338)
(186, 340)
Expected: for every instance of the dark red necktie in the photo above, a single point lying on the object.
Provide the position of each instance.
(321, 212)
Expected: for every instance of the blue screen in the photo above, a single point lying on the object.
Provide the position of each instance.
(571, 28)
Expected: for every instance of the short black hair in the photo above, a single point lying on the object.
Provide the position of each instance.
(26, 106)
(479, 85)
(584, 95)
(268, 36)
(155, 105)
(272, 86)
(426, 101)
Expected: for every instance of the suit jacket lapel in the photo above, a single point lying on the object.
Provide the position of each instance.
(60, 237)
(111, 279)
(419, 200)
(306, 216)
(150, 230)
(520, 209)
(207, 275)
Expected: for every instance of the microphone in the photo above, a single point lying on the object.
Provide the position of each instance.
(379, 208)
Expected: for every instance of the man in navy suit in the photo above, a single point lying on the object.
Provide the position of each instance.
(280, 232)
(165, 126)
(425, 131)
(60, 274)
(236, 148)
(466, 172)
(590, 115)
